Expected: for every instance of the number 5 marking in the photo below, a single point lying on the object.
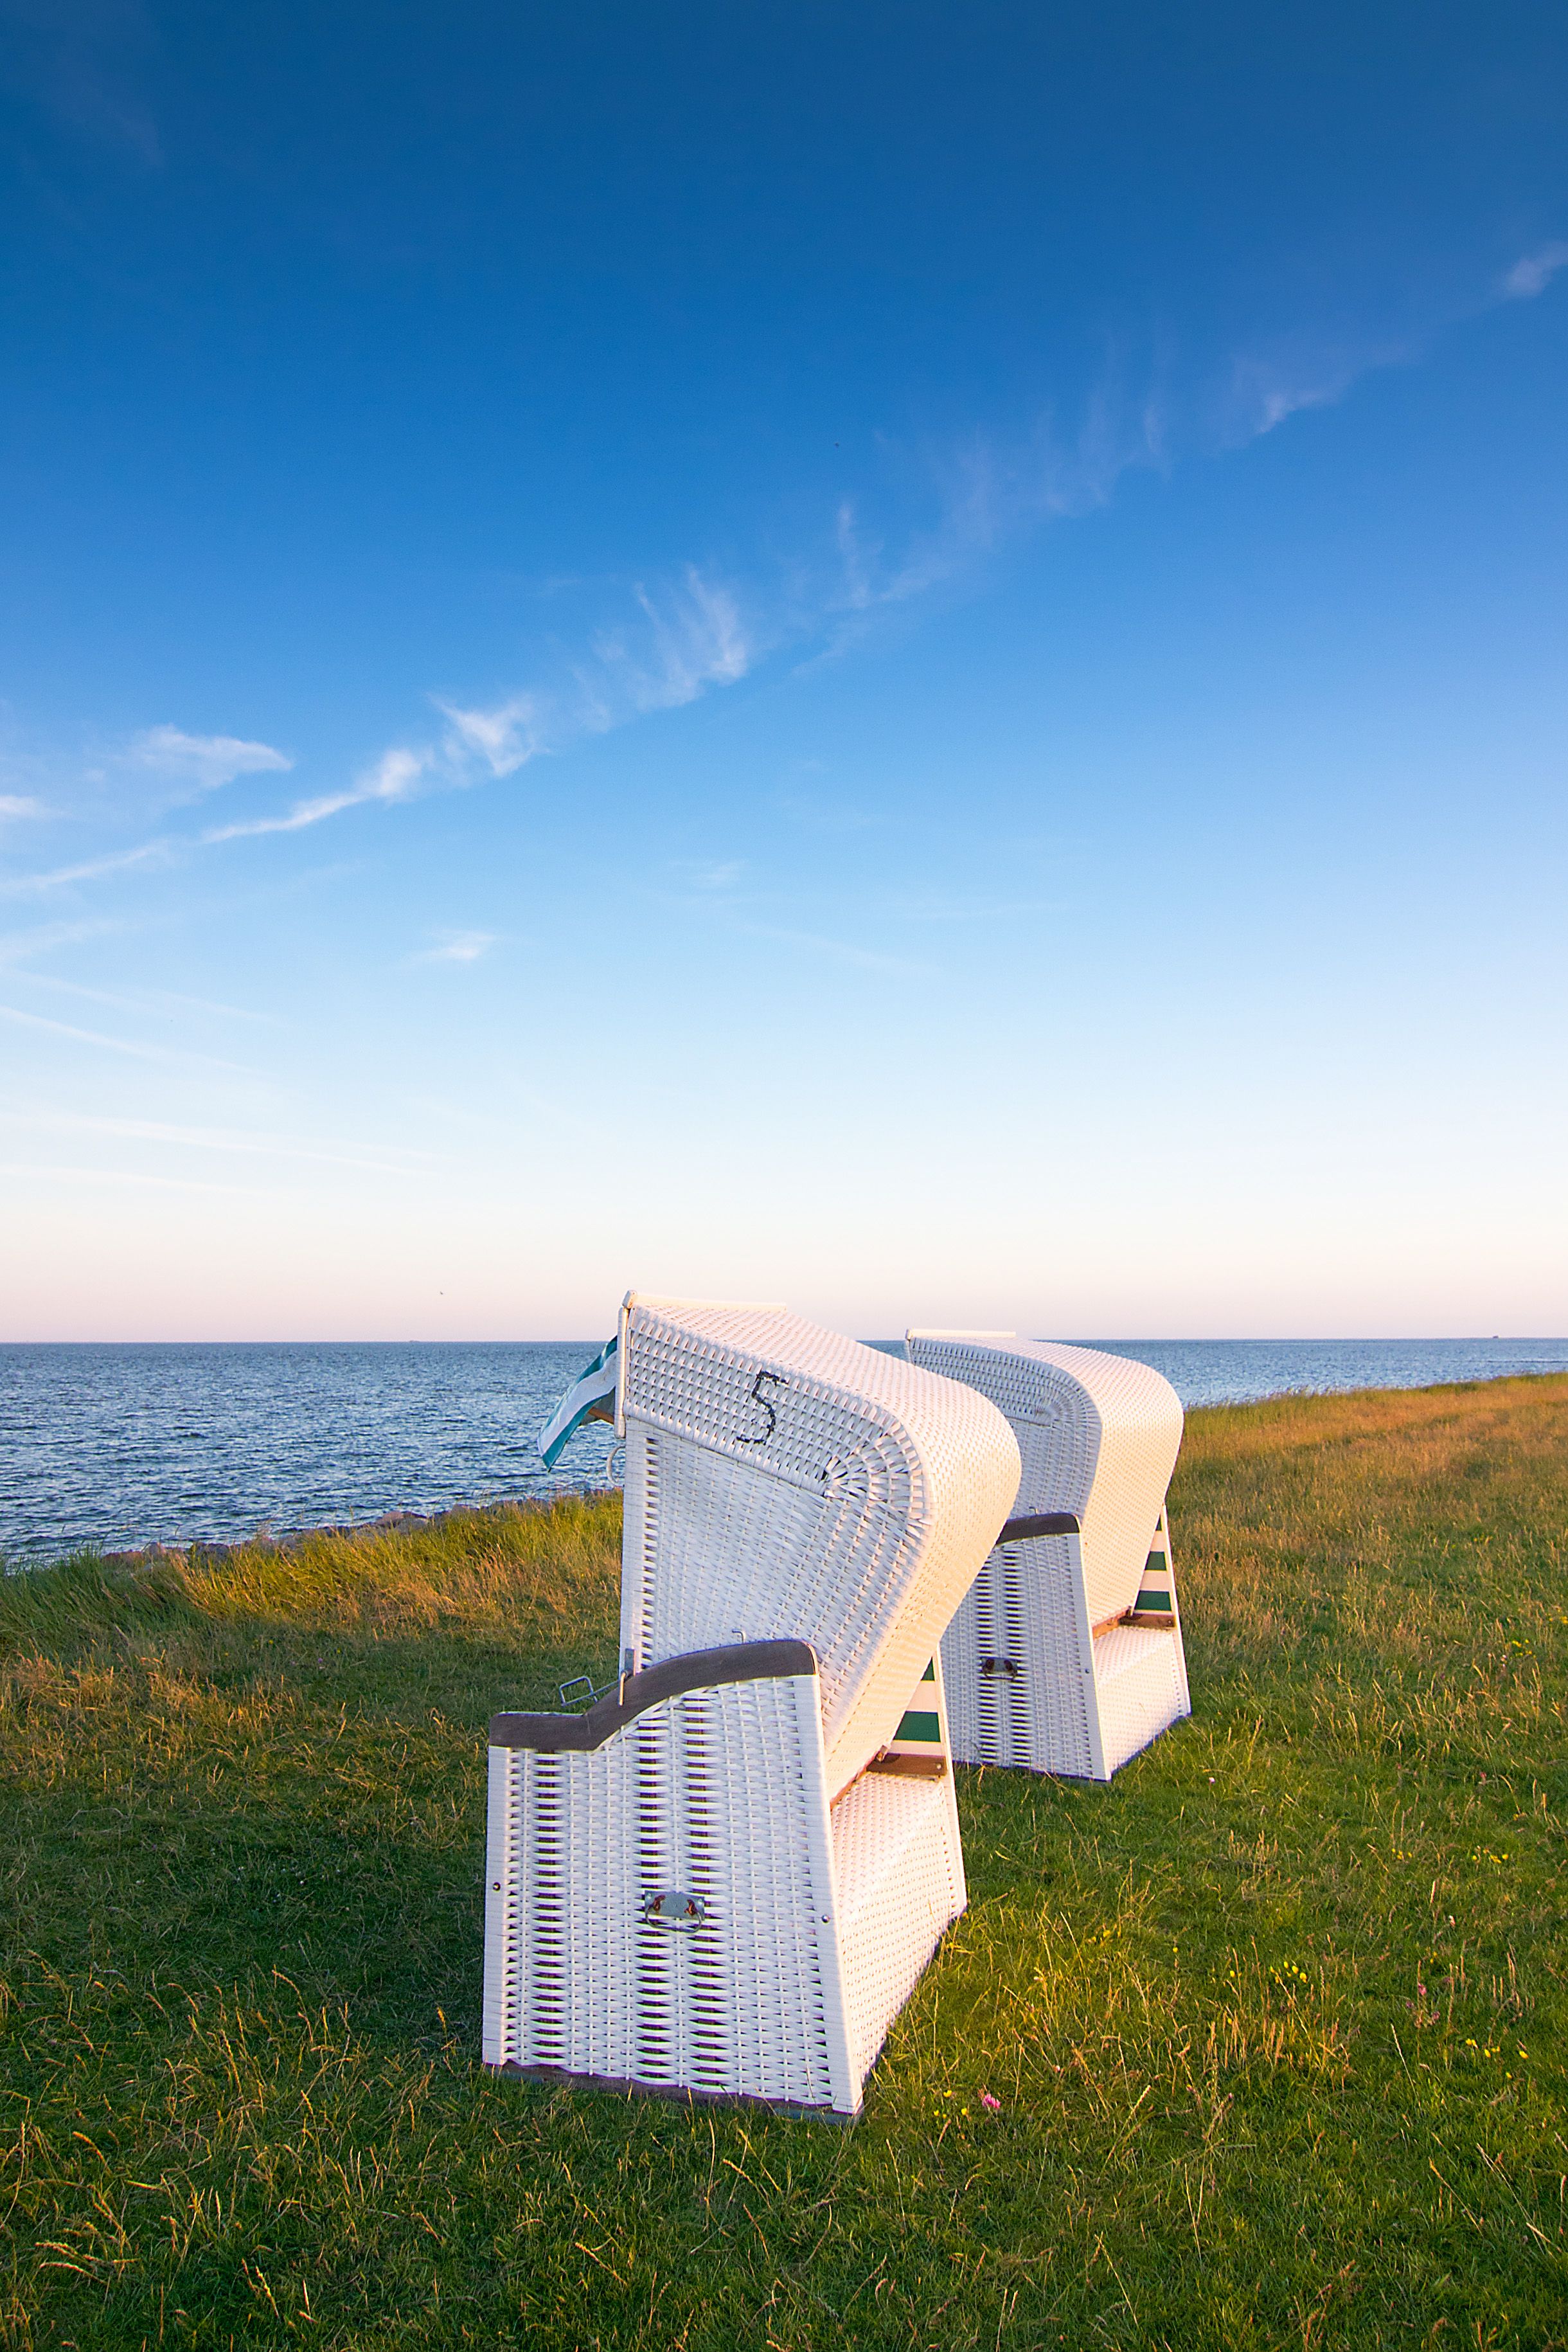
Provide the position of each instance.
(766, 1405)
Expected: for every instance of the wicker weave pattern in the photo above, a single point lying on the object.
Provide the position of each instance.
(717, 1796)
(1142, 1688)
(899, 1875)
(1065, 1404)
(1018, 1662)
(1029, 1683)
(684, 1905)
(784, 1481)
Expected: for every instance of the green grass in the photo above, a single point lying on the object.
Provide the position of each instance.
(1277, 2022)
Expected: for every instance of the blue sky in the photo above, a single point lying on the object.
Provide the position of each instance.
(909, 660)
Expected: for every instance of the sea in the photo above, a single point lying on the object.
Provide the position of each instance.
(117, 1447)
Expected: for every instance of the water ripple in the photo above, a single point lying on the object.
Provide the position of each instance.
(126, 1446)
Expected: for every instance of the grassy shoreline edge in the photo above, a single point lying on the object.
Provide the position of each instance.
(1276, 2022)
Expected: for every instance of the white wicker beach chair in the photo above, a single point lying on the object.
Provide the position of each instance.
(725, 1878)
(1066, 1656)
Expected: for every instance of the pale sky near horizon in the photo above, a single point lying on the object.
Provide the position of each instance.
(910, 660)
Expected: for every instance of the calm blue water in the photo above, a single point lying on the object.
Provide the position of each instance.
(126, 1446)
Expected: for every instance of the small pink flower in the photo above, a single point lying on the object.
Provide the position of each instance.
(987, 2101)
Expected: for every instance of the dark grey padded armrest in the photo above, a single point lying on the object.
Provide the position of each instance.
(1044, 1523)
(740, 1662)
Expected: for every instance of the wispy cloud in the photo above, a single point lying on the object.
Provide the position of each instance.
(838, 951)
(1533, 272)
(395, 777)
(693, 632)
(1274, 382)
(695, 638)
(932, 529)
(135, 1048)
(689, 635)
(675, 642)
(708, 874)
(1265, 398)
(18, 948)
(147, 999)
(1280, 377)
(92, 869)
(504, 738)
(457, 947)
(985, 497)
(202, 763)
(213, 1139)
(16, 805)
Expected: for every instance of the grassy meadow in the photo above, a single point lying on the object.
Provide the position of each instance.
(1278, 2021)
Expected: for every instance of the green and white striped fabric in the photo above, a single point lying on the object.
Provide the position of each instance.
(592, 1397)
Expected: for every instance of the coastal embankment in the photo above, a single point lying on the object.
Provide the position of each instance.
(1262, 2045)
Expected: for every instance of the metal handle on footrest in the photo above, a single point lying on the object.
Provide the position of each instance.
(673, 1909)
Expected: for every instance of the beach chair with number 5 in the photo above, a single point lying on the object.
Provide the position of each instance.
(725, 1877)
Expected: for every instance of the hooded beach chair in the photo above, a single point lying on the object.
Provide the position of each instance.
(1066, 1656)
(725, 1877)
